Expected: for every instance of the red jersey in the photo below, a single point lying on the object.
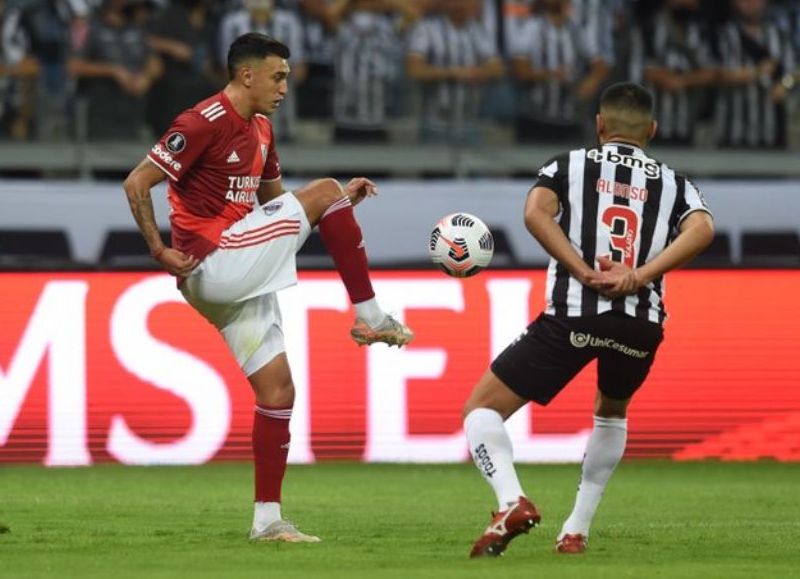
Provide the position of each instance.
(215, 160)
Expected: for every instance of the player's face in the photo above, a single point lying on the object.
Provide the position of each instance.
(270, 84)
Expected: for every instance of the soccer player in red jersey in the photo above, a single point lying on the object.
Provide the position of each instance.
(235, 232)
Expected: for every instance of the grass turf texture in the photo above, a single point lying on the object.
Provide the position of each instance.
(658, 519)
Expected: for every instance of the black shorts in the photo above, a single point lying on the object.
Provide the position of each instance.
(552, 351)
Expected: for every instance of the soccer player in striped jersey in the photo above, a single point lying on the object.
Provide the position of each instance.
(235, 231)
(614, 221)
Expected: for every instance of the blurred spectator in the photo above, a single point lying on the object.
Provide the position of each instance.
(115, 69)
(757, 62)
(490, 16)
(678, 66)
(516, 14)
(182, 34)
(452, 56)
(51, 27)
(368, 34)
(316, 99)
(284, 24)
(597, 21)
(18, 71)
(788, 17)
(559, 75)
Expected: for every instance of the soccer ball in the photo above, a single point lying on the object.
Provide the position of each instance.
(461, 245)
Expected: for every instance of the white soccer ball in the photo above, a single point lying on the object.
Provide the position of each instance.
(461, 245)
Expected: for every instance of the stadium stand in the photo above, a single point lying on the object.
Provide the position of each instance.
(771, 248)
(504, 254)
(30, 249)
(127, 250)
(313, 254)
(718, 254)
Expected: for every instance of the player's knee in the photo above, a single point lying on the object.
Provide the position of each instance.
(275, 393)
(470, 405)
(326, 191)
(606, 407)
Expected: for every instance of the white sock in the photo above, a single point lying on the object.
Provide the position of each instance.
(491, 450)
(370, 312)
(603, 452)
(264, 514)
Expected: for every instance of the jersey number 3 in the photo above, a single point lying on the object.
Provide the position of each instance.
(623, 224)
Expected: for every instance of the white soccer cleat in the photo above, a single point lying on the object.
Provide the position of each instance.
(282, 531)
(391, 332)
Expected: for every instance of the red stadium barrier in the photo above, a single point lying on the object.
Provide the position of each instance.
(115, 367)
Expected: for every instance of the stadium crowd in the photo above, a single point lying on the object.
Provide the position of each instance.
(723, 71)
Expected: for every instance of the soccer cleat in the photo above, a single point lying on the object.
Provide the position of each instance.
(517, 519)
(282, 531)
(389, 332)
(571, 544)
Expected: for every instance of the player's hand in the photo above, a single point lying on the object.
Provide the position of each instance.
(176, 262)
(619, 279)
(360, 188)
(595, 279)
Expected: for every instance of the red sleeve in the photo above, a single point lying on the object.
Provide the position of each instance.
(272, 167)
(183, 143)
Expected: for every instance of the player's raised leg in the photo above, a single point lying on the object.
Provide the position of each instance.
(330, 206)
(489, 405)
(274, 390)
(604, 450)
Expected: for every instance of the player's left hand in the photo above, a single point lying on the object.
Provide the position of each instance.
(618, 279)
(360, 188)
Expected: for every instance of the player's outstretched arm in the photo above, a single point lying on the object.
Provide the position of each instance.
(540, 211)
(137, 187)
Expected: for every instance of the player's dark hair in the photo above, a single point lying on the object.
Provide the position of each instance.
(253, 45)
(628, 96)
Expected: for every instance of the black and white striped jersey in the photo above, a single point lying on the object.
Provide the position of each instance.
(367, 59)
(684, 50)
(747, 115)
(615, 201)
(547, 46)
(443, 44)
(596, 20)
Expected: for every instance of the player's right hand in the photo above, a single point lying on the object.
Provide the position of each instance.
(620, 279)
(177, 263)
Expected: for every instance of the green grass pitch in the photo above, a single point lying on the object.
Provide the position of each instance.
(658, 519)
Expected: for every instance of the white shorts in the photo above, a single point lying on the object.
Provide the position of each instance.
(234, 287)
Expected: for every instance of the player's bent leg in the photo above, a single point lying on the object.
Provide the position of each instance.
(327, 204)
(609, 407)
(274, 391)
(604, 450)
(317, 196)
(272, 382)
(491, 392)
(490, 403)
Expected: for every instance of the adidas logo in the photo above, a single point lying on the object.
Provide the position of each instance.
(233, 157)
